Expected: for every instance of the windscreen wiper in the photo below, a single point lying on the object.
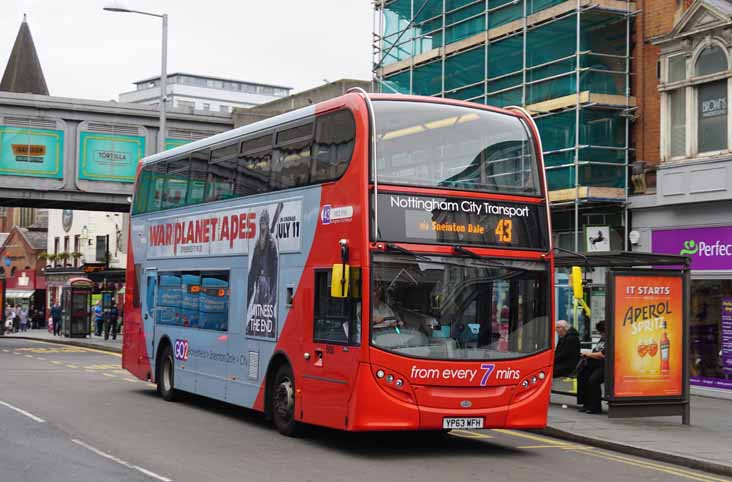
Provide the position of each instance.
(485, 259)
(462, 250)
(399, 249)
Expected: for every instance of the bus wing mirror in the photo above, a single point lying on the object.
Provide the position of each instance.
(339, 280)
(576, 282)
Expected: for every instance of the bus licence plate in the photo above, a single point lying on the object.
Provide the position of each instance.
(459, 422)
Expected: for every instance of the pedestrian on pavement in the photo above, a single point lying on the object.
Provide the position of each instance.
(110, 322)
(10, 317)
(567, 353)
(23, 316)
(16, 318)
(591, 375)
(98, 318)
(56, 318)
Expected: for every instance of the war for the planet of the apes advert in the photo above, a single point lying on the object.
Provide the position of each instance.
(278, 231)
(263, 232)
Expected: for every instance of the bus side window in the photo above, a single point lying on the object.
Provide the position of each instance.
(336, 320)
(335, 135)
(255, 163)
(221, 174)
(331, 322)
(198, 177)
(176, 183)
(293, 157)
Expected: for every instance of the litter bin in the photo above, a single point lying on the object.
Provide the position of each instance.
(76, 307)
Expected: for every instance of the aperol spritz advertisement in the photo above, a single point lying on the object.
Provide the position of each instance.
(648, 332)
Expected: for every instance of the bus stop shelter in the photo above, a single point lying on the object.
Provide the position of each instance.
(647, 330)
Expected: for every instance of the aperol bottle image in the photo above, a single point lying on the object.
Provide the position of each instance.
(664, 346)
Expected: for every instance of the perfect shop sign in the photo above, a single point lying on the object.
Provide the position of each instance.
(709, 248)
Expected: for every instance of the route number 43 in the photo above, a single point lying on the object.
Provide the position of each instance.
(503, 231)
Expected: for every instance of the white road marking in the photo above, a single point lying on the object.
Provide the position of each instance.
(120, 461)
(22, 412)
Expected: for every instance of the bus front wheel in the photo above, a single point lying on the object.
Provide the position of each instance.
(283, 402)
(166, 375)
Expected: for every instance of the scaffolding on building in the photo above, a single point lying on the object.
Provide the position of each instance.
(566, 61)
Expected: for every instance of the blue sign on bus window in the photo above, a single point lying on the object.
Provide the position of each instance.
(190, 293)
(169, 300)
(214, 303)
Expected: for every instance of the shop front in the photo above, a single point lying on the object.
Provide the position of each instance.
(25, 289)
(671, 223)
(710, 249)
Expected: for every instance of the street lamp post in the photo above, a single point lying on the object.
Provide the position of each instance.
(115, 7)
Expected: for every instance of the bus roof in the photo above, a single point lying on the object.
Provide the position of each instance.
(231, 134)
(223, 137)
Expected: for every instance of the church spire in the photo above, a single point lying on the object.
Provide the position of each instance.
(23, 74)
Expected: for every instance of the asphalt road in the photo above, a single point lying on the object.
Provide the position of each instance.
(71, 414)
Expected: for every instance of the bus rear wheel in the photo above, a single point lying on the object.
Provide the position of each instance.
(166, 375)
(283, 402)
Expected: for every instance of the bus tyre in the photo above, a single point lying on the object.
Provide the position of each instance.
(283, 402)
(166, 375)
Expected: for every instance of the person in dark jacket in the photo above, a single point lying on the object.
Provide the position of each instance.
(591, 375)
(56, 318)
(567, 353)
(110, 322)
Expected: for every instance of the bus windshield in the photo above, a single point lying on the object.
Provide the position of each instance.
(459, 308)
(435, 145)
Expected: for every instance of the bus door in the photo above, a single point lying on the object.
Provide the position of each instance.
(149, 318)
(212, 335)
(331, 350)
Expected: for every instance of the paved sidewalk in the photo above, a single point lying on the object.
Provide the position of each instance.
(96, 342)
(705, 444)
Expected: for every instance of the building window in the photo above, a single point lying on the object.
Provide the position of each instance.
(56, 244)
(77, 249)
(712, 116)
(206, 106)
(695, 109)
(101, 249)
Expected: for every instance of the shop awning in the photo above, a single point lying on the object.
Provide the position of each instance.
(15, 294)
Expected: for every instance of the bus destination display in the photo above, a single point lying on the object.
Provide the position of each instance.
(413, 218)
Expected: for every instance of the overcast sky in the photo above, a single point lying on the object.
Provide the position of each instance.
(88, 53)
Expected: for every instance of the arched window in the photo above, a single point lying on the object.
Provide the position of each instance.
(711, 60)
(711, 100)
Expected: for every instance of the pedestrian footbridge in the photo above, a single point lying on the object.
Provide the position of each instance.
(67, 153)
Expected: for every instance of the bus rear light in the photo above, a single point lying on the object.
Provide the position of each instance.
(379, 373)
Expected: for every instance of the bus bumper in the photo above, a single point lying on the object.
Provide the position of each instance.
(374, 406)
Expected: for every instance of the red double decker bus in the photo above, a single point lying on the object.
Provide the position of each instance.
(373, 262)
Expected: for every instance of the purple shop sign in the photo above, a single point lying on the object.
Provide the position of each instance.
(709, 248)
(711, 382)
(727, 334)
